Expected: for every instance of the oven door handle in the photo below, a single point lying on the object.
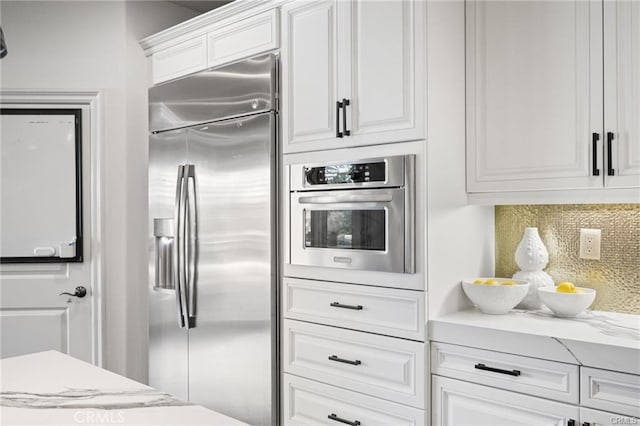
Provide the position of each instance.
(345, 199)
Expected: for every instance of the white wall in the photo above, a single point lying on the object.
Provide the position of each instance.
(93, 45)
(460, 240)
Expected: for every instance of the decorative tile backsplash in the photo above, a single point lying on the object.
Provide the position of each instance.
(616, 276)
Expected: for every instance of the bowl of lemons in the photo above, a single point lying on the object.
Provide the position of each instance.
(495, 296)
(566, 300)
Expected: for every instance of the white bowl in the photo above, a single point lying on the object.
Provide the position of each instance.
(566, 304)
(495, 299)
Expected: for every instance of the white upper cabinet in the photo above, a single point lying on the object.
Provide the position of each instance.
(622, 93)
(534, 95)
(353, 73)
(309, 72)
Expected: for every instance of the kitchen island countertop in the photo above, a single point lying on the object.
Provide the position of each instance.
(595, 339)
(50, 388)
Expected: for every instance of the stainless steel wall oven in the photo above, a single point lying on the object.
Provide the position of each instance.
(354, 214)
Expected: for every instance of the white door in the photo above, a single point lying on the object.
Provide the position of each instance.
(534, 95)
(33, 315)
(309, 75)
(458, 403)
(386, 78)
(622, 93)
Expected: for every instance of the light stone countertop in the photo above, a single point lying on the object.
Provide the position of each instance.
(596, 339)
(50, 388)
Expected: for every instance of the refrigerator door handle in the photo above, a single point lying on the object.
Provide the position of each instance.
(177, 258)
(191, 243)
(183, 247)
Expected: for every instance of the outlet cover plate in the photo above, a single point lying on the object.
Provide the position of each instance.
(590, 243)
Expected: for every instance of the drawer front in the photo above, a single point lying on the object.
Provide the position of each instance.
(179, 60)
(311, 403)
(393, 312)
(610, 391)
(379, 366)
(547, 379)
(243, 39)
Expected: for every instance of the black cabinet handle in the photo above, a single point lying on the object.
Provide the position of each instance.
(571, 422)
(346, 361)
(340, 305)
(595, 137)
(345, 104)
(334, 417)
(338, 132)
(610, 170)
(498, 370)
(586, 424)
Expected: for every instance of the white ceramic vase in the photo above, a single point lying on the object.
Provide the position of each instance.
(532, 257)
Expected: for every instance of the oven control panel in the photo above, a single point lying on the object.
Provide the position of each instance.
(346, 173)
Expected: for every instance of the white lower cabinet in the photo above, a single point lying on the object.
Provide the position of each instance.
(380, 366)
(459, 403)
(611, 391)
(590, 417)
(307, 402)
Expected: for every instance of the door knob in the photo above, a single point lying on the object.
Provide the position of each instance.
(80, 292)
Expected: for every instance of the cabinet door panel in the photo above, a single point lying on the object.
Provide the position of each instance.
(458, 403)
(309, 74)
(534, 95)
(622, 90)
(386, 73)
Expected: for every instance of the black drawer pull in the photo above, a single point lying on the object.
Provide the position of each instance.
(586, 424)
(497, 370)
(610, 170)
(595, 137)
(340, 305)
(571, 422)
(338, 419)
(346, 361)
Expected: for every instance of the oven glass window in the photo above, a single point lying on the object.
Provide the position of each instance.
(345, 229)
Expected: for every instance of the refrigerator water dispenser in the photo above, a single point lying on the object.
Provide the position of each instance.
(163, 233)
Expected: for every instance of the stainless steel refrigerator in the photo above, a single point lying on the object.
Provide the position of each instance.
(212, 266)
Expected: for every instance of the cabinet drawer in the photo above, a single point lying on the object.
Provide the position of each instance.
(393, 312)
(182, 59)
(548, 379)
(311, 403)
(380, 366)
(244, 39)
(610, 391)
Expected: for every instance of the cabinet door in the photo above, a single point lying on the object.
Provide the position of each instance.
(386, 73)
(589, 417)
(458, 403)
(534, 95)
(622, 93)
(309, 75)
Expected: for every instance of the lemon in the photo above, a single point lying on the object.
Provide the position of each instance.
(566, 287)
(491, 282)
(478, 282)
(508, 283)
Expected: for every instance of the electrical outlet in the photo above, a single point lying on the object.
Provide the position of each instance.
(590, 243)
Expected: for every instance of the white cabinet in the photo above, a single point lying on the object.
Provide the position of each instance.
(380, 366)
(243, 39)
(589, 417)
(181, 59)
(622, 93)
(307, 402)
(611, 391)
(353, 73)
(535, 103)
(458, 403)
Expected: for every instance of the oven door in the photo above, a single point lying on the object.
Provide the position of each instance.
(361, 229)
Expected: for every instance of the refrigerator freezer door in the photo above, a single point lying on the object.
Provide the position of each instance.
(168, 343)
(231, 349)
(246, 87)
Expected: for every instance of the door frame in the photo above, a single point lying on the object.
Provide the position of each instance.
(93, 99)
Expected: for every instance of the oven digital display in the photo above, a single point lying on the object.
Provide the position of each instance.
(346, 173)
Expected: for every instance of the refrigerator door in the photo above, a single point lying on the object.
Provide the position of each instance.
(232, 367)
(246, 87)
(168, 343)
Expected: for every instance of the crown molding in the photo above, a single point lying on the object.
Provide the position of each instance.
(201, 24)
